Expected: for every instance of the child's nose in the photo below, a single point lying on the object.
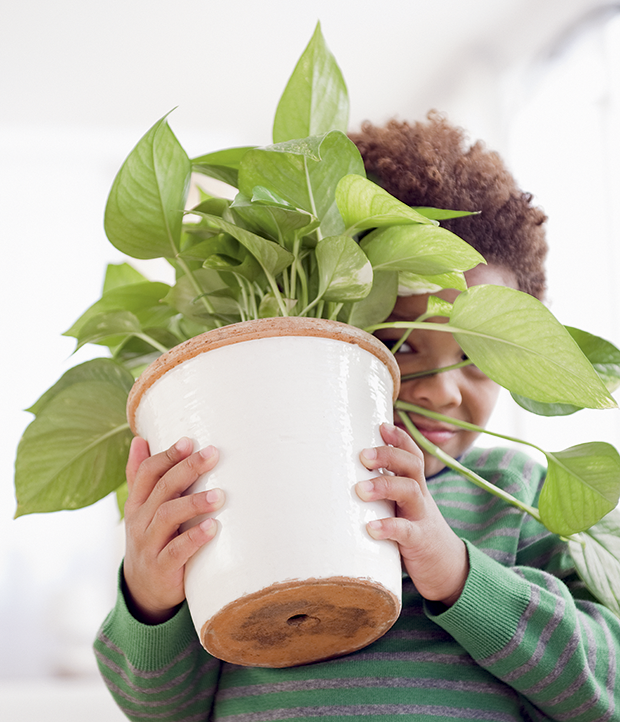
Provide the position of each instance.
(439, 391)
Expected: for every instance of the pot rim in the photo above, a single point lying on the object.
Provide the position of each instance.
(254, 329)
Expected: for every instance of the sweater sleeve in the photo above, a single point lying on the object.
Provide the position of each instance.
(157, 672)
(559, 650)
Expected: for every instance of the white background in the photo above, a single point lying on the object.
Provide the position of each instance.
(80, 84)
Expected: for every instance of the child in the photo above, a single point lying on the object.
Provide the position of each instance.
(495, 623)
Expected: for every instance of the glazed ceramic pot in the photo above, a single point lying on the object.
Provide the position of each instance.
(292, 575)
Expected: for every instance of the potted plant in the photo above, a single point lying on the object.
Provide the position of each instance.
(309, 242)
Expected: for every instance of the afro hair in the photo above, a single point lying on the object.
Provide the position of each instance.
(431, 164)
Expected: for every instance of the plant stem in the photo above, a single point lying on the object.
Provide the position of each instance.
(472, 476)
(432, 372)
(196, 286)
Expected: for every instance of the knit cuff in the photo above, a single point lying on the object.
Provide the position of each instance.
(147, 647)
(485, 617)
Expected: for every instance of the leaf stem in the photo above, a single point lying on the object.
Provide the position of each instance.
(471, 475)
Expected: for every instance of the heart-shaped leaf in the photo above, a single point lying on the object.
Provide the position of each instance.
(517, 341)
(300, 180)
(596, 553)
(315, 99)
(363, 204)
(345, 273)
(272, 257)
(222, 165)
(377, 305)
(75, 451)
(421, 249)
(144, 212)
(582, 485)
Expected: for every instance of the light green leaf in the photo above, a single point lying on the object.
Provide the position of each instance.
(305, 183)
(185, 299)
(269, 306)
(424, 250)
(144, 212)
(518, 342)
(442, 214)
(143, 299)
(605, 358)
(100, 369)
(266, 197)
(75, 451)
(222, 164)
(438, 307)
(603, 355)
(315, 99)
(377, 305)
(110, 328)
(271, 256)
(409, 283)
(596, 553)
(582, 485)
(345, 273)
(121, 274)
(121, 498)
(363, 204)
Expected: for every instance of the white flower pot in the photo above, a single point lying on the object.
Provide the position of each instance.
(292, 575)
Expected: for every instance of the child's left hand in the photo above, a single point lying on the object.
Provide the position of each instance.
(434, 556)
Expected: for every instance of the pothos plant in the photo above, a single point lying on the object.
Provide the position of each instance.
(307, 234)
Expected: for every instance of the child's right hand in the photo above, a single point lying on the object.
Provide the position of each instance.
(156, 551)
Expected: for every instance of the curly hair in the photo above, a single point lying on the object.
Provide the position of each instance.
(431, 164)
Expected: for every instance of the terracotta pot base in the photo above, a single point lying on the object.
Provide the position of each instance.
(299, 622)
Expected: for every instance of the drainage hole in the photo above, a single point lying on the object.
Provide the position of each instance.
(298, 620)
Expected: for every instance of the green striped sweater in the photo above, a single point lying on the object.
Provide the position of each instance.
(524, 641)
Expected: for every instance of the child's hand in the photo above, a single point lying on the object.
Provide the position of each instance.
(156, 552)
(434, 556)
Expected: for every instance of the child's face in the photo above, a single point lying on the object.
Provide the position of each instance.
(465, 393)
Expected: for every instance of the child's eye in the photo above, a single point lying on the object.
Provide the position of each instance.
(403, 348)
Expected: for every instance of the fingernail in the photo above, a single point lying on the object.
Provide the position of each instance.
(365, 487)
(183, 445)
(374, 528)
(207, 452)
(214, 496)
(388, 427)
(369, 454)
(208, 524)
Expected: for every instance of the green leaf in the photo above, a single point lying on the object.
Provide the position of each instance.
(596, 553)
(143, 299)
(269, 306)
(101, 369)
(603, 355)
(605, 358)
(185, 299)
(412, 283)
(121, 274)
(109, 329)
(266, 197)
(582, 485)
(222, 164)
(144, 212)
(363, 204)
(516, 340)
(271, 256)
(121, 498)
(377, 305)
(278, 223)
(345, 273)
(424, 250)
(303, 182)
(75, 451)
(438, 307)
(442, 214)
(315, 99)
